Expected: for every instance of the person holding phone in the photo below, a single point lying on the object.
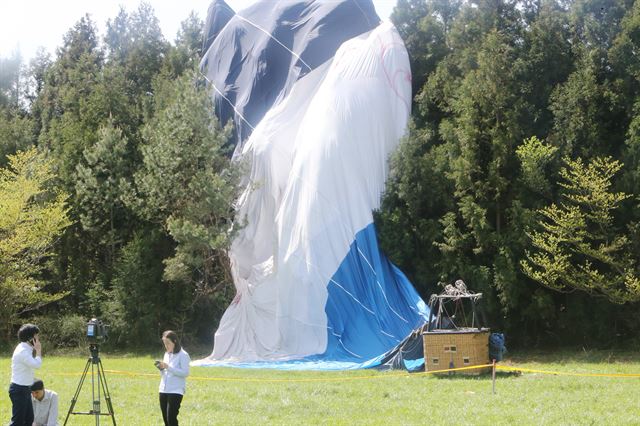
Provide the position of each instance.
(27, 357)
(174, 369)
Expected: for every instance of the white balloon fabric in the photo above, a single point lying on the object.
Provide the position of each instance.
(311, 281)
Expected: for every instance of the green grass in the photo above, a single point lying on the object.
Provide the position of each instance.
(221, 396)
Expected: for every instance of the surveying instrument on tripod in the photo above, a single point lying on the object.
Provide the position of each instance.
(97, 332)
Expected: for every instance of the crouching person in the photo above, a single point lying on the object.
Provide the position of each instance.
(45, 405)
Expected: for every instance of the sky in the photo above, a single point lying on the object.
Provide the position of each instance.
(28, 24)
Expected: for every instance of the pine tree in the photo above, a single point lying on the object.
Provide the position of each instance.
(187, 183)
(100, 188)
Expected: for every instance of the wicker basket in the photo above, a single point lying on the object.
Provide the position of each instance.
(446, 349)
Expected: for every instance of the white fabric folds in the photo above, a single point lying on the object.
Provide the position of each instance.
(318, 164)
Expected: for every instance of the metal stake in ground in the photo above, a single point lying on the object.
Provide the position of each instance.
(493, 376)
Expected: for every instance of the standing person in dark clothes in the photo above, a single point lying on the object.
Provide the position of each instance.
(174, 369)
(27, 357)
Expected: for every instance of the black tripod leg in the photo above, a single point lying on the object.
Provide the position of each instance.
(105, 390)
(75, 396)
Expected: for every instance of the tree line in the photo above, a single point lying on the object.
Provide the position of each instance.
(113, 145)
(519, 174)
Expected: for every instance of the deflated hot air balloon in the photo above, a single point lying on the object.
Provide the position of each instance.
(320, 95)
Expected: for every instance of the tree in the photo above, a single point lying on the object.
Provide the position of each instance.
(626, 83)
(70, 117)
(547, 61)
(188, 184)
(16, 133)
(37, 71)
(417, 194)
(597, 23)
(186, 53)
(69, 84)
(579, 246)
(17, 129)
(102, 182)
(424, 27)
(136, 43)
(139, 300)
(32, 217)
(535, 157)
(481, 133)
(118, 37)
(579, 107)
(11, 85)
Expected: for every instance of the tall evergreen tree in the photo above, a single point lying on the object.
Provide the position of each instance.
(187, 184)
(69, 83)
(100, 189)
(11, 81)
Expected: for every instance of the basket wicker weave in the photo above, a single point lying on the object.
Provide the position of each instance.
(446, 349)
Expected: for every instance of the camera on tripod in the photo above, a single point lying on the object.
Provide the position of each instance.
(97, 331)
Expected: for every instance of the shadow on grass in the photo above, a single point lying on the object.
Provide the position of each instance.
(471, 377)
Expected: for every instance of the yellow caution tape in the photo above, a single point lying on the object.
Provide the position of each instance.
(377, 376)
(316, 379)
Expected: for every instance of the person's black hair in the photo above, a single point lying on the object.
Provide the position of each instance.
(37, 385)
(171, 335)
(27, 331)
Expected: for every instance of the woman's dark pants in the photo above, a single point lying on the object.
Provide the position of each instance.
(170, 406)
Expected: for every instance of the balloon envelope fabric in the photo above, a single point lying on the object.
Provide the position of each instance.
(320, 93)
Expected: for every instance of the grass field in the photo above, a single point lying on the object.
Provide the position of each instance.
(222, 396)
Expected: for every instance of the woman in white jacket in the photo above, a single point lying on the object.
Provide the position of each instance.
(174, 369)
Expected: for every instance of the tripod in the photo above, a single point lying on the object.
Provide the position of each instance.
(101, 385)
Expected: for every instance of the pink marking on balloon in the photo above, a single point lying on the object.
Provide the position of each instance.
(391, 81)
